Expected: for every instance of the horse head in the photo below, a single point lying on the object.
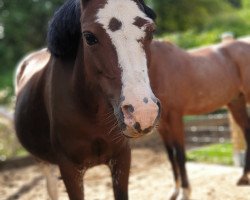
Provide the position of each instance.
(115, 37)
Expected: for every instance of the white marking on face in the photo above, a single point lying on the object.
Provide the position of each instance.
(126, 36)
(131, 55)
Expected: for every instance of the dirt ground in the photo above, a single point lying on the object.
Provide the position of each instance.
(150, 179)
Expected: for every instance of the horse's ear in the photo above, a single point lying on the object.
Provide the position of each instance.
(148, 11)
(85, 2)
(64, 30)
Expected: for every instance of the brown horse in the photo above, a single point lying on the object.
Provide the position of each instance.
(195, 82)
(76, 103)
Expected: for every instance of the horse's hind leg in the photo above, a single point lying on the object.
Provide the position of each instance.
(172, 132)
(171, 155)
(239, 113)
(51, 180)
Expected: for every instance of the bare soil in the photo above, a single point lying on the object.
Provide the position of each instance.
(150, 179)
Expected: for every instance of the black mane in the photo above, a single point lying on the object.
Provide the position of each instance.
(64, 30)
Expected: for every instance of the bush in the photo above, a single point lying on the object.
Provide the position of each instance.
(237, 23)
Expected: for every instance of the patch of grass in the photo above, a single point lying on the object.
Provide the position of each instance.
(215, 154)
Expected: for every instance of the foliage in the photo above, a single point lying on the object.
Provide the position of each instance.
(215, 153)
(236, 22)
(235, 3)
(181, 15)
(245, 3)
(23, 26)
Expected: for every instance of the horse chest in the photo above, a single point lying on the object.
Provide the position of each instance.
(88, 149)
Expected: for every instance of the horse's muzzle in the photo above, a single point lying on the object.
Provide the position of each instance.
(142, 119)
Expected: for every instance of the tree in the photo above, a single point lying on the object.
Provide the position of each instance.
(23, 26)
(180, 15)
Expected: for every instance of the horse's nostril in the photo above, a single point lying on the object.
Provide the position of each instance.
(157, 101)
(128, 108)
(123, 126)
(147, 130)
(137, 127)
(159, 105)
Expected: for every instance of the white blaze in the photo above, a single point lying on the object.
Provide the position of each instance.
(131, 55)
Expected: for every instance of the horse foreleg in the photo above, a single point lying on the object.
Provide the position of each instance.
(72, 176)
(51, 180)
(119, 167)
(239, 113)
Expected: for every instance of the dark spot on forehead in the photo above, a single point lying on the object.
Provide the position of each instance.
(115, 24)
(140, 22)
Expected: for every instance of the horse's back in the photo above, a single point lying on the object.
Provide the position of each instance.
(31, 117)
(193, 82)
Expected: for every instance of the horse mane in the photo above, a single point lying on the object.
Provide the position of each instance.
(64, 31)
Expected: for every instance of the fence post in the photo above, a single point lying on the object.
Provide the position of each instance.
(239, 145)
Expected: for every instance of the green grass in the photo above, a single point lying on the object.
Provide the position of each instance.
(6, 87)
(214, 154)
(9, 145)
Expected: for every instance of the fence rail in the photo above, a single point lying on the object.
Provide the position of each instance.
(206, 129)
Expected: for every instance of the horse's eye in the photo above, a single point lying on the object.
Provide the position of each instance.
(90, 38)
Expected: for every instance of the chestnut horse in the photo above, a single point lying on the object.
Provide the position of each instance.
(196, 82)
(76, 103)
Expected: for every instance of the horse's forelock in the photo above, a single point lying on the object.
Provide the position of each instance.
(65, 30)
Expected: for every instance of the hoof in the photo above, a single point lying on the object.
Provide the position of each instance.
(174, 194)
(244, 181)
(182, 194)
(185, 194)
